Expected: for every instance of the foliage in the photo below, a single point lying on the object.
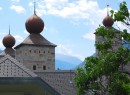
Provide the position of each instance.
(105, 74)
(122, 15)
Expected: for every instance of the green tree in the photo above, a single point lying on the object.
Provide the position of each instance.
(105, 74)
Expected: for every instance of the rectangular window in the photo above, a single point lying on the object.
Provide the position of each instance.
(34, 67)
(44, 67)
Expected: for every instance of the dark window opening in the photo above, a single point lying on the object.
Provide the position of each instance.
(44, 67)
(34, 67)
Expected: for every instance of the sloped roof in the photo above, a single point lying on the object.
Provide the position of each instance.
(10, 67)
(36, 39)
(8, 51)
(26, 85)
(61, 80)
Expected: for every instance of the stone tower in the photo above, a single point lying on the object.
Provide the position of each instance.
(35, 52)
(117, 42)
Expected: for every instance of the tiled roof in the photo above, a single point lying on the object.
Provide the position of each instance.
(36, 39)
(10, 67)
(61, 80)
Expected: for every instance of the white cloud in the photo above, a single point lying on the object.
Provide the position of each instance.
(87, 10)
(121, 26)
(89, 35)
(61, 49)
(19, 38)
(18, 9)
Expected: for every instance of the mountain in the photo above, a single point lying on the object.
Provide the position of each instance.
(82, 63)
(66, 62)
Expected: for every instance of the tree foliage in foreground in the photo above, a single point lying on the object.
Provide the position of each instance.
(105, 74)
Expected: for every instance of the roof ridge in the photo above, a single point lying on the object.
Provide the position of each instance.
(20, 65)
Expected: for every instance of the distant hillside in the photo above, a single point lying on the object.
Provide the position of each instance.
(82, 63)
(65, 62)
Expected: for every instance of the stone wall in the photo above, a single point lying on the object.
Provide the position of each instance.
(37, 58)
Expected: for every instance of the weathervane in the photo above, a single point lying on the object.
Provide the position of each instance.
(107, 9)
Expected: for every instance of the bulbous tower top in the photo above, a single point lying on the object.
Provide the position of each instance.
(8, 41)
(108, 21)
(34, 24)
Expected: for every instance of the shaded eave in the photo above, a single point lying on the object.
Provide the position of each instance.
(23, 44)
(34, 81)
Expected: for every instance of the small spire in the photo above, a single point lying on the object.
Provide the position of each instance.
(9, 29)
(34, 7)
(107, 10)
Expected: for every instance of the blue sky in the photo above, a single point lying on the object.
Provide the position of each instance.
(69, 24)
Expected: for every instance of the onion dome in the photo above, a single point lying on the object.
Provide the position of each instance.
(108, 21)
(9, 41)
(34, 24)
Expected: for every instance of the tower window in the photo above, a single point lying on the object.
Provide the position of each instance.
(44, 67)
(34, 67)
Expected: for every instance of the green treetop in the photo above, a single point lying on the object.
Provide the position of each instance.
(105, 74)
